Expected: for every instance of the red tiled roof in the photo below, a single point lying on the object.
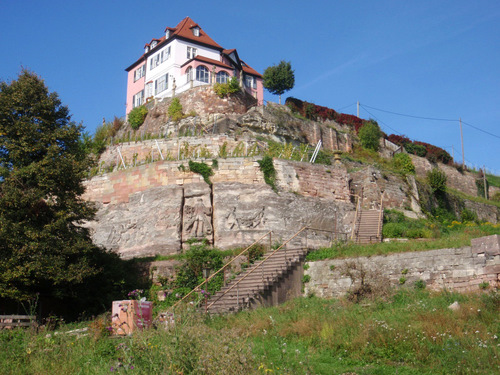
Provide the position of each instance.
(249, 70)
(208, 61)
(183, 30)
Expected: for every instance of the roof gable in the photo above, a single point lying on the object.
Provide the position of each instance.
(185, 30)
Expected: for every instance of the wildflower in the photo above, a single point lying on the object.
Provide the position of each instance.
(112, 369)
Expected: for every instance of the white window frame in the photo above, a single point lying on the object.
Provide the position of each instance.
(138, 99)
(222, 77)
(149, 89)
(165, 54)
(189, 73)
(161, 84)
(139, 73)
(191, 53)
(250, 81)
(202, 74)
(196, 31)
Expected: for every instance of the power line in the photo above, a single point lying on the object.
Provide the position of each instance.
(347, 106)
(375, 117)
(419, 117)
(481, 130)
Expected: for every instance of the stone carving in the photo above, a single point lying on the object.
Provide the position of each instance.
(198, 220)
(245, 219)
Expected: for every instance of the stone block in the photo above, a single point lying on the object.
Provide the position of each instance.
(489, 245)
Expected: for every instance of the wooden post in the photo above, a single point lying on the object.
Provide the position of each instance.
(484, 183)
(462, 138)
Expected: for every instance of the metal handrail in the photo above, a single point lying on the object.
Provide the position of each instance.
(260, 264)
(355, 217)
(380, 215)
(220, 269)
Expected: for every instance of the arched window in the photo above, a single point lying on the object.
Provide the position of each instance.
(202, 74)
(222, 77)
(189, 74)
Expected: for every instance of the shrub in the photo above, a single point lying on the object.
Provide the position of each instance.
(369, 135)
(419, 284)
(496, 197)
(175, 109)
(137, 116)
(468, 216)
(267, 167)
(437, 180)
(223, 90)
(403, 162)
(204, 169)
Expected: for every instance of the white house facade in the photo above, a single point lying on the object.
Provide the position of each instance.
(183, 58)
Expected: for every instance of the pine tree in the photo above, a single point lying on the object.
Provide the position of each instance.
(44, 250)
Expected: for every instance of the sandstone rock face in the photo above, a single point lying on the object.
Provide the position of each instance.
(148, 224)
(155, 209)
(244, 213)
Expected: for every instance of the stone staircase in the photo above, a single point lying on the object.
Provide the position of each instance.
(258, 285)
(368, 227)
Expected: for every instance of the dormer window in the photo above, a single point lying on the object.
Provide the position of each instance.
(153, 44)
(146, 49)
(196, 31)
(167, 34)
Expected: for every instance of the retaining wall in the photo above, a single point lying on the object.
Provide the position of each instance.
(462, 269)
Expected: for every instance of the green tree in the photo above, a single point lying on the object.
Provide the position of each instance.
(278, 79)
(369, 135)
(44, 249)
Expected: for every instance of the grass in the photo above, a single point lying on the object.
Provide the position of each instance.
(455, 235)
(409, 332)
(493, 180)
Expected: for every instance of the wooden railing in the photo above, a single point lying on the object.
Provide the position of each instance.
(14, 321)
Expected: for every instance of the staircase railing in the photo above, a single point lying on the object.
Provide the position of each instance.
(261, 263)
(380, 218)
(358, 209)
(221, 269)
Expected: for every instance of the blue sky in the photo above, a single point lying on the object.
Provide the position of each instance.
(432, 59)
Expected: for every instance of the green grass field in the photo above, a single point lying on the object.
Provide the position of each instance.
(410, 332)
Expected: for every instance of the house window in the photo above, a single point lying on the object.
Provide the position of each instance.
(149, 89)
(222, 77)
(196, 31)
(189, 74)
(191, 53)
(139, 73)
(167, 34)
(138, 99)
(250, 81)
(153, 45)
(165, 54)
(155, 61)
(202, 74)
(161, 84)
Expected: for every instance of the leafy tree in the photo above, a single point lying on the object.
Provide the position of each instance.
(137, 116)
(44, 250)
(369, 135)
(278, 79)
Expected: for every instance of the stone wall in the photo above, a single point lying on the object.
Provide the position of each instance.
(154, 209)
(461, 269)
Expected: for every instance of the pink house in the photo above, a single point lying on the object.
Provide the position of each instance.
(183, 58)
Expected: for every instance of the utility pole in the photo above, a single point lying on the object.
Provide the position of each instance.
(452, 154)
(358, 108)
(462, 138)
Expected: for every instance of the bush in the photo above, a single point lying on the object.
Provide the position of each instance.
(175, 109)
(223, 90)
(137, 116)
(403, 162)
(267, 167)
(369, 135)
(437, 180)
